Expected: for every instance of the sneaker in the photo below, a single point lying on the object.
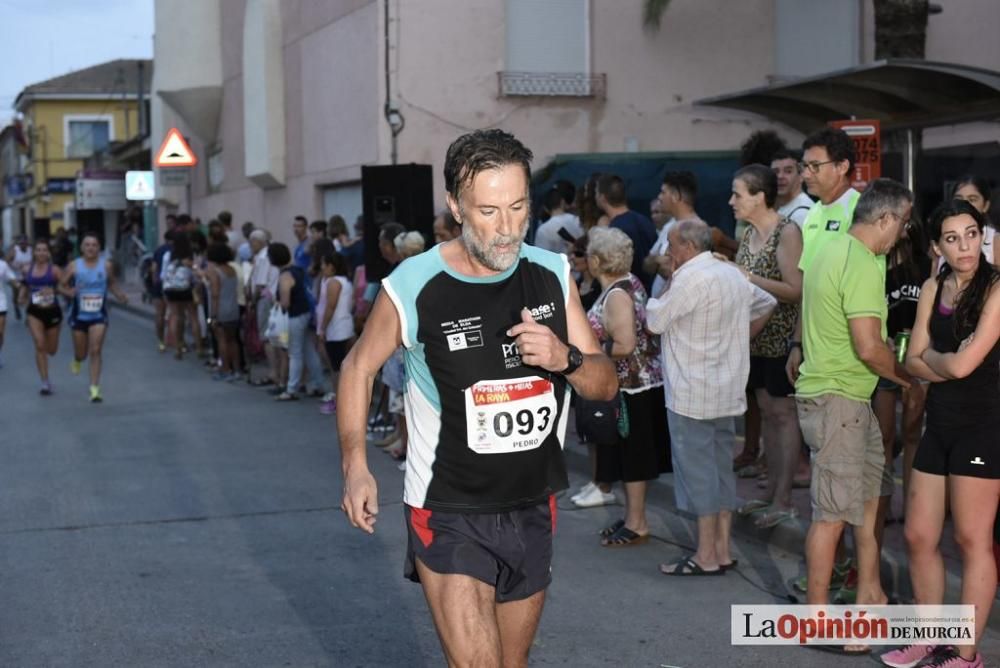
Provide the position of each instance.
(328, 407)
(594, 498)
(329, 396)
(46, 389)
(586, 489)
(840, 573)
(908, 656)
(95, 394)
(848, 593)
(74, 367)
(951, 659)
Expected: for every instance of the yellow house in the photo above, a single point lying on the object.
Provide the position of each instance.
(67, 120)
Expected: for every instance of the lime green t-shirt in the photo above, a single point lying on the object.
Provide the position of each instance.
(845, 281)
(825, 222)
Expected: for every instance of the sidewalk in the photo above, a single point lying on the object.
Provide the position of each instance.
(788, 536)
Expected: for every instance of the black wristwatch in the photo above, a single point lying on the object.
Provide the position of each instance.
(792, 345)
(575, 360)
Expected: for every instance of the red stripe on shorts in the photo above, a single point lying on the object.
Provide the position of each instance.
(419, 518)
(552, 511)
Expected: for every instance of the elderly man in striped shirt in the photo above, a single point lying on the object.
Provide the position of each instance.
(706, 316)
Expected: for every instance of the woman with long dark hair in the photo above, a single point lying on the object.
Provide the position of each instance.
(976, 191)
(956, 346)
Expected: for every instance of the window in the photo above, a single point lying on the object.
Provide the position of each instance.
(84, 136)
(216, 169)
(548, 49)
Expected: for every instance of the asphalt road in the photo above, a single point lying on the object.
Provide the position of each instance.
(185, 522)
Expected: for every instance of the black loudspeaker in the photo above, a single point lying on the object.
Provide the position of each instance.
(401, 194)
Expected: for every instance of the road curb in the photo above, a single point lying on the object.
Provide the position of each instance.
(788, 536)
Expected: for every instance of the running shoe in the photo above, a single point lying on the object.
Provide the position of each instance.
(74, 367)
(951, 659)
(586, 489)
(95, 394)
(595, 497)
(328, 407)
(840, 572)
(848, 593)
(46, 389)
(909, 656)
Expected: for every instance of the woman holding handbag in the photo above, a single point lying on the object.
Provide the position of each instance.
(618, 317)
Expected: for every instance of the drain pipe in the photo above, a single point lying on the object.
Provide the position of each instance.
(391, 109)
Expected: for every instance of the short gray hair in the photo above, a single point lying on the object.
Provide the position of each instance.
(695, 232)
(260, 235)
(612, 248)
(409, 244)
(881, 197)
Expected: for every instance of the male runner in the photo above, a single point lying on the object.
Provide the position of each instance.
(495, 336)
(87, 281)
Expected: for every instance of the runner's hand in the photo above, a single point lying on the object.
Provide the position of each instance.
(792, 365)
(539, 346)
(360, 502)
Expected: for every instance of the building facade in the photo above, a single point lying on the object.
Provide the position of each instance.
(66, 121)
(284, 102)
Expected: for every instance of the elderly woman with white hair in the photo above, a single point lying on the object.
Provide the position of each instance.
(618, 318)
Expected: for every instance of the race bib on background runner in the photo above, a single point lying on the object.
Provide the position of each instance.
(509, 415)
(91, 303)
(43, 299)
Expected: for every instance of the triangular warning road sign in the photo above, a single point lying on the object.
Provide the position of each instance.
(175, 152)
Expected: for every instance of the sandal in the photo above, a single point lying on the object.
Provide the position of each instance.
(287, 396)
(730, 566)
(688, 567)
(624, 537)
(744, 459)
(751, 507)
(751, 471)
(609, 531)
(775, 517)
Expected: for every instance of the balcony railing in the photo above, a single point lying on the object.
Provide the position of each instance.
(552, 84)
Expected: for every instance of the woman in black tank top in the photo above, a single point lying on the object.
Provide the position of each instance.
(956, 345)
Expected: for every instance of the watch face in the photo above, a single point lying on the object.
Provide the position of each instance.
(575, 356)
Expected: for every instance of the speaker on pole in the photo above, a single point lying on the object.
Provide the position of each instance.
(401, 194)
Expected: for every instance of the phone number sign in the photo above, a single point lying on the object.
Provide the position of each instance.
(867, 138)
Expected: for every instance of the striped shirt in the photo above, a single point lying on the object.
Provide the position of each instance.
(704, 319)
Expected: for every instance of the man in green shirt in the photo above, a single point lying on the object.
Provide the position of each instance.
(843, 318)
(827, 166)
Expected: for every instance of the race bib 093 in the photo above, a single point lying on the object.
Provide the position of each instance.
(511, 415)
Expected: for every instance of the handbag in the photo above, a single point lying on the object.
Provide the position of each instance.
(252, 342)
(603, 422)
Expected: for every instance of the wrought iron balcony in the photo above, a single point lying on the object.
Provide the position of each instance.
(552, 84)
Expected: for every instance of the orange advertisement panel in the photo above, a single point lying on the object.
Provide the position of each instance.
(867, 137)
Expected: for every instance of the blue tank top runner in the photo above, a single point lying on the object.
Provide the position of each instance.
(91, 291)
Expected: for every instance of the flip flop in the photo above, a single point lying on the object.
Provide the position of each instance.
(687, 567)
(609, 531)
(774, 518)
(624, 537)
(751, 507)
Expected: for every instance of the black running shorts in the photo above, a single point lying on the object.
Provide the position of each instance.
(510, 551)
(970, 450)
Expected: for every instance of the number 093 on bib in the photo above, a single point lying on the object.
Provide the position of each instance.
(511, 415)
